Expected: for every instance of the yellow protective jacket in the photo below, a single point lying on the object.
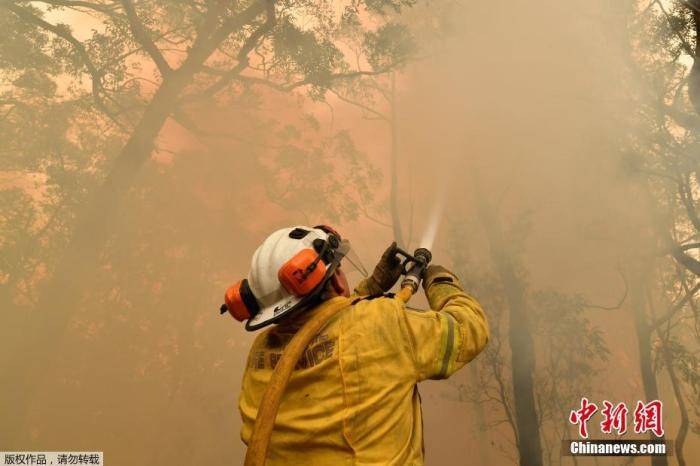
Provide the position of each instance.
(353, 400)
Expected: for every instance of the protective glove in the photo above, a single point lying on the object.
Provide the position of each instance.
(439, 274)
(386, 273)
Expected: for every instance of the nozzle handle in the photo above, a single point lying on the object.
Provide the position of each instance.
(418, 263)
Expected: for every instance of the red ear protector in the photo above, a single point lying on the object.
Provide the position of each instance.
(301, 274)
(240, 301)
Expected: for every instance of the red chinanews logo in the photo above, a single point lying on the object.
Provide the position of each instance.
(647, 417)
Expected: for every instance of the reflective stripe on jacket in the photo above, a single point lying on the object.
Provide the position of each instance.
(353, 400)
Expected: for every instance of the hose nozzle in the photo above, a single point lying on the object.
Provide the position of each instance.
(414, 274)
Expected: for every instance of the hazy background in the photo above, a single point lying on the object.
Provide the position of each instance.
(531, 110)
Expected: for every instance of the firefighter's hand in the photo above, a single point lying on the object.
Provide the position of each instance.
(386, 273)
(438, 274)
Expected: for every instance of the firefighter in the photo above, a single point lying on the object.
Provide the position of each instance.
(352, 398)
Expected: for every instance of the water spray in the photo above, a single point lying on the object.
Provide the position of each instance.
(435, 216)
(415, 264)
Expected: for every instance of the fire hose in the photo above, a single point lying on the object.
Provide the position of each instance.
(256, 455)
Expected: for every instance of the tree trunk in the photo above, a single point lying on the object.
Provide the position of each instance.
(694, 75)
(479, 420)
(638, 303)
(520, 339)
(394, 195)
(683, 428)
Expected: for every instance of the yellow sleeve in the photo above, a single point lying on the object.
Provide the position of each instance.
(449, 335)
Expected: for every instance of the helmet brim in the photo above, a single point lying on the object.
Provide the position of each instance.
(274, 312)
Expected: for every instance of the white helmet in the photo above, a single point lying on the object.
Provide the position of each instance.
(288, 270)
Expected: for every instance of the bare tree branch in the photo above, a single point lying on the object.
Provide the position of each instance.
(244, 51)
(372, 218)
(143, 37)
(675, 308)
(687, 198)
(235, 23)
(360, 105)
(183, 120)
(207, 41)
(620, 301)
(98, 7)
(684, 43)
(78, 47)
(685, 247)
(688, 262)
(63, 32)
(285, 87)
